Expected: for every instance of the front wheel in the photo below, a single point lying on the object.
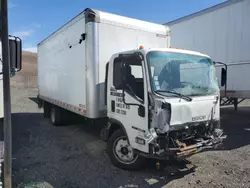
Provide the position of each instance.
(121, 153)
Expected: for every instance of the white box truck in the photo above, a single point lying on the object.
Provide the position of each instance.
(222, 32)
(153, 101)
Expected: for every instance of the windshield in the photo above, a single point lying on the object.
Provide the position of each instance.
(189, 75)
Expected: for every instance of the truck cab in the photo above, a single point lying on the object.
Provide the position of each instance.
(160, 103)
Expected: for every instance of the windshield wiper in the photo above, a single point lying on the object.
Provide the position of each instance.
(177, 94)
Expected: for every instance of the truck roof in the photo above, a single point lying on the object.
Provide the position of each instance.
(176, 50)
(113, 19)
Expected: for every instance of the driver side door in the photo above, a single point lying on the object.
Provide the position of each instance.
(129, 105)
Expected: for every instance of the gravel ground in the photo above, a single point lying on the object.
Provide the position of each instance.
(74, 157)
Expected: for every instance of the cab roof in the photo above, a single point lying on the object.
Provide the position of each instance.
(176, 50)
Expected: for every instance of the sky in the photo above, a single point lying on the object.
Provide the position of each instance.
(33, 20)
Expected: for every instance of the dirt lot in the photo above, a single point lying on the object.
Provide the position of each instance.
(74, 157)
(27, 77)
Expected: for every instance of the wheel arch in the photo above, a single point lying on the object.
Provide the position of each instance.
(115, 125)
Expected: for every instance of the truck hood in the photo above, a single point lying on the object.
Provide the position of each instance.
(198, 110)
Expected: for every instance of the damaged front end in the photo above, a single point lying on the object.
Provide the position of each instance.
(186, 142)
(181, 140)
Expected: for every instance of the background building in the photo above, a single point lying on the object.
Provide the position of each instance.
(223, 32)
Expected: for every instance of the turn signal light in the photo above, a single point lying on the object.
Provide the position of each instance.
(140, 141)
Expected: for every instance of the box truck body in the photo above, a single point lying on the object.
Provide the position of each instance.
(119, 69)
(222, 32)
(72, 73)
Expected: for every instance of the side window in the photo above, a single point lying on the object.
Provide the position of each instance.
(134, 79)
(133, 75)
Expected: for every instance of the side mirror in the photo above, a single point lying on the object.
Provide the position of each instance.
(118, 75)
(15, 46)
(223, 77)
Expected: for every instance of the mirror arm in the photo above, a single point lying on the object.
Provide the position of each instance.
(123, 98)
(123, 84)
(220, 63)
(131, 104)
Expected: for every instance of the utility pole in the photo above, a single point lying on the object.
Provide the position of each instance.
(6, 91)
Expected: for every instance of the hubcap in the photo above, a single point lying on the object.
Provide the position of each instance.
(123, 152)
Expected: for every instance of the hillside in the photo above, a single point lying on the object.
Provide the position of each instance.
(27, 77)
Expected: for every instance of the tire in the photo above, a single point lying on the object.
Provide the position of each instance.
(125, 161)
(55, 116)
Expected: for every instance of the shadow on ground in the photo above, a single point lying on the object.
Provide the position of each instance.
(236, 125)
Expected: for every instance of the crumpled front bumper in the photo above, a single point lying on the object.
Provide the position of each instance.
(212, 143)
(183, 151)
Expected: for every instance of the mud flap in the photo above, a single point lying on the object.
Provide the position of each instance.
(104, 134)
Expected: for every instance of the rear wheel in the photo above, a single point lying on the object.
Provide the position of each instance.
(121, 153)
(55, 116)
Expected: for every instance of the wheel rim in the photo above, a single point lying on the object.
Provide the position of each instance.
(123, 151)
(53, 115)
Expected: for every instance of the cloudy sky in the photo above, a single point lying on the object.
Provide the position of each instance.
(33, 20)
